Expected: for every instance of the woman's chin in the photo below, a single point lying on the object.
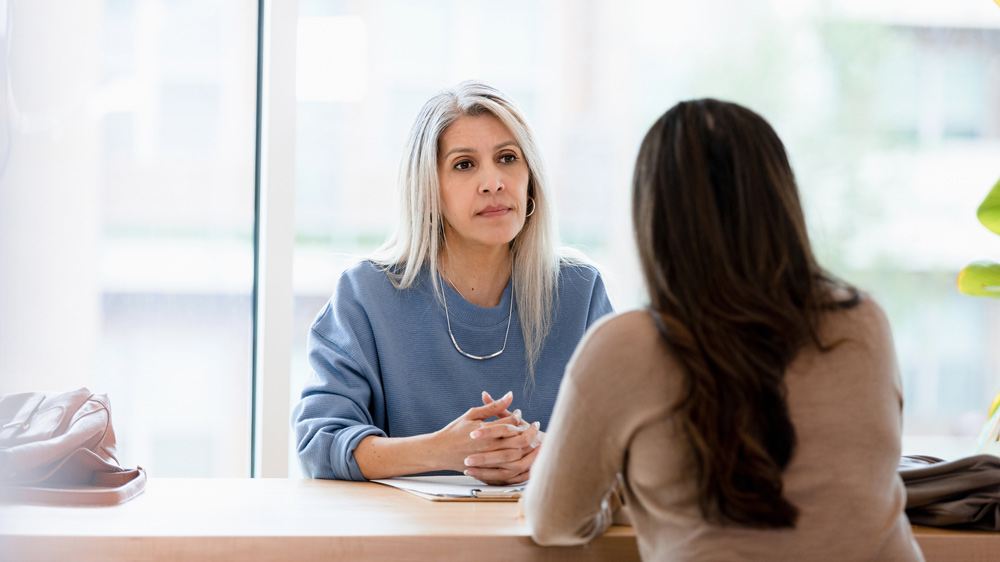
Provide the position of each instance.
(489, 237)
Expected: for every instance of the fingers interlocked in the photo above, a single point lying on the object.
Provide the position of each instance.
(507, 447)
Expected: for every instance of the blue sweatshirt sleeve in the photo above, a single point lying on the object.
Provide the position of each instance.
(342, 402)
(600, 304)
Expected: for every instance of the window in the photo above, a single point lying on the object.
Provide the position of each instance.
(127, 219)
(878, 109)
(127, 169)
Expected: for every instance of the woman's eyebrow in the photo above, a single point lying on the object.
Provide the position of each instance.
(472, 151)
(459, 149)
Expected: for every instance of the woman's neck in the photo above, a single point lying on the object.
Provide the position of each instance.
(479, 276)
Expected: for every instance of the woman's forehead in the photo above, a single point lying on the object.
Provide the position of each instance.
(475, 131)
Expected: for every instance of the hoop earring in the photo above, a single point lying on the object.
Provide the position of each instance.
(532, 201)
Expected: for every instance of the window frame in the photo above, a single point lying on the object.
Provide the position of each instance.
(274, 238)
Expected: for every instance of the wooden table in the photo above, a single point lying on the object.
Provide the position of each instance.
(278, 519)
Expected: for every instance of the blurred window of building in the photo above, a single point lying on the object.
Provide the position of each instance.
(127, 175)
(127, 219)
(879, 106)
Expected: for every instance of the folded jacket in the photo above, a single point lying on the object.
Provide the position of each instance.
(961, 493)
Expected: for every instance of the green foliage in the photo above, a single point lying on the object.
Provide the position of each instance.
(982, 278)
(989, 211)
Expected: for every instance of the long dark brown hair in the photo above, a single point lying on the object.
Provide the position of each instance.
(730, 273)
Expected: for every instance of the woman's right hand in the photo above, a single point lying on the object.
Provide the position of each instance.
(501, 451)
(454, 442)
(510, 448)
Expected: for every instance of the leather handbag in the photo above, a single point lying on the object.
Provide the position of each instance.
(59, 449)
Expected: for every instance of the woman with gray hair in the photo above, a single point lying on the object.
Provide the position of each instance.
(469, 299)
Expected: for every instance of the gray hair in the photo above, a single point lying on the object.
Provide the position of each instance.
(419, 236)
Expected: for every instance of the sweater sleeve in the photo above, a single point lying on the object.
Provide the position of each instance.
(575, 484)
(582, 283)
(600, 304)
(342, 402)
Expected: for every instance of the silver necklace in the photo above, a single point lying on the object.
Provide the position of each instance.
(510, 315)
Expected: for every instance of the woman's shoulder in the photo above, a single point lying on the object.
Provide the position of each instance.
(366, 271)
(868, 306)
(363, 290)
(626, 368)
(860, 315)
(626, 338)
(625, 325)
(369, 274)
(860, 333)
(578, 267)
(367, 283)
(577, 273)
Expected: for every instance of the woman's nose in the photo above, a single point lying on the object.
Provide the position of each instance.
(492, 182)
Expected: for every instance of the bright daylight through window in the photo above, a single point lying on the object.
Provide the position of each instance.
(127, 175)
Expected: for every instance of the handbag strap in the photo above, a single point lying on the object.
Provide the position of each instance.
(110, 488)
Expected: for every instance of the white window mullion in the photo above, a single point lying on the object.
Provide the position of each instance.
(276, 240)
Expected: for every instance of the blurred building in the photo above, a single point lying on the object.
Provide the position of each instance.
(127, 133)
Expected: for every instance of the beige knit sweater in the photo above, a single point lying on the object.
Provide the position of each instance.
(613, 417)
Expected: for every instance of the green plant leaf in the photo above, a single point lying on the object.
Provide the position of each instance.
(989, 210)
(981, 278)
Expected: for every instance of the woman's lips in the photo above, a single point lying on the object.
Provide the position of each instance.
(493, 211)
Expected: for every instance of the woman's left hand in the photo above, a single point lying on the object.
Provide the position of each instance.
(515, 447)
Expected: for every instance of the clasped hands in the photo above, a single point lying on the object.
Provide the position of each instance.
(497, 452)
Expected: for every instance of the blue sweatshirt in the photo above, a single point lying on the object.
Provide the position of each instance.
(383, 362)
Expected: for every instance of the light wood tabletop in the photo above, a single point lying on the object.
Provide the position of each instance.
(289, 519)
(279, 519)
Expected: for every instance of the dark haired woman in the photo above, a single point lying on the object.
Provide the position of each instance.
(754, 411)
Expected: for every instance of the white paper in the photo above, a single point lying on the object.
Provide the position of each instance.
(457, 486)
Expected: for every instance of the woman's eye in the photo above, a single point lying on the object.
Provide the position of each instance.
(463, 165)
(508, 158)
